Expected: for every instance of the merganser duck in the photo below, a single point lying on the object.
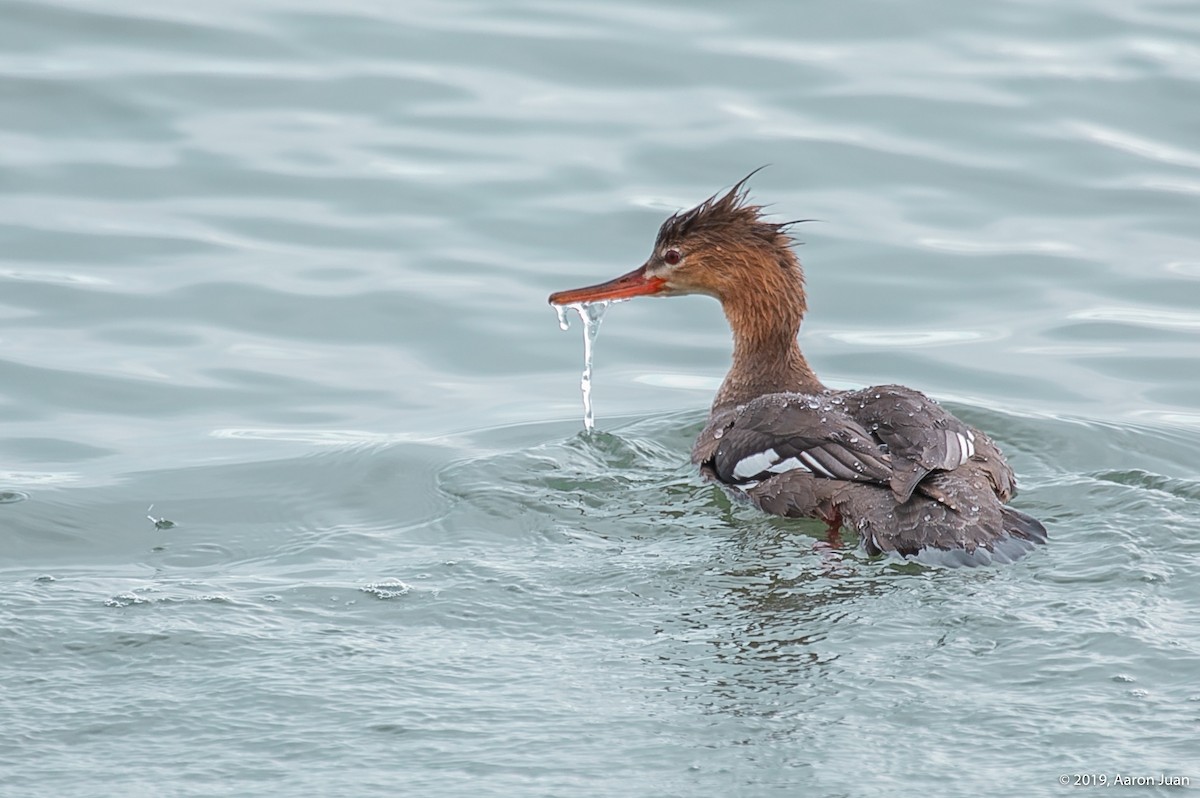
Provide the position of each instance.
(888, 462)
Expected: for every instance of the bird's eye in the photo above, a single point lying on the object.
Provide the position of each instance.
(672, 256)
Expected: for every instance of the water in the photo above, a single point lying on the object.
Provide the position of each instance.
(278, 270)
(590, 316)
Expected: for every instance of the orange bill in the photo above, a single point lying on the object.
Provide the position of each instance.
(636, 283)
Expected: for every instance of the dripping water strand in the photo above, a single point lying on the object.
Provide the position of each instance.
(590, 313)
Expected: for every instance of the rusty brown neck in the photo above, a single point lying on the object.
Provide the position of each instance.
(766, 356)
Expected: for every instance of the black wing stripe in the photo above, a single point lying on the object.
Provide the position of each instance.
(862, 465)
(819, 465)
(834, 459)
(838, 462)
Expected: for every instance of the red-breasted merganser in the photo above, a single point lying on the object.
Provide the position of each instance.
(888, 462)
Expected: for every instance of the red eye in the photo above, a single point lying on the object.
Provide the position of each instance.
(672, 256)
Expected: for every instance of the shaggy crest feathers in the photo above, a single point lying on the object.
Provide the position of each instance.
(725, 218)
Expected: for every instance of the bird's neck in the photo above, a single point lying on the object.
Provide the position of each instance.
(766, 355)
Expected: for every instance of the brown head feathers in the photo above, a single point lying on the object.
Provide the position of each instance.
(725, 218)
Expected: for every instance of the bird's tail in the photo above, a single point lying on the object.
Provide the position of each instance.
(929, 532)
(1024, 527)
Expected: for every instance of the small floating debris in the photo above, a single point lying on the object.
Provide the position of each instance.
(12, 496)
(590, 313)
(159, 523)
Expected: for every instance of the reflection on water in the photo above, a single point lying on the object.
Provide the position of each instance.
(880, 338)
(1147, 317)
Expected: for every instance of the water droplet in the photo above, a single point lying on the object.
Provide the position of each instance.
(928, 517)
(590, 313)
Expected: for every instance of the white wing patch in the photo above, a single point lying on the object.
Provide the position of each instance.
(769, 462)
(755, 464)
(966, 444)
(962, 447)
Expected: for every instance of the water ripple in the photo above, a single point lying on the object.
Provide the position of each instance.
(1144, 317)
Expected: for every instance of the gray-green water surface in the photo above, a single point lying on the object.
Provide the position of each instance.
(275, 272)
